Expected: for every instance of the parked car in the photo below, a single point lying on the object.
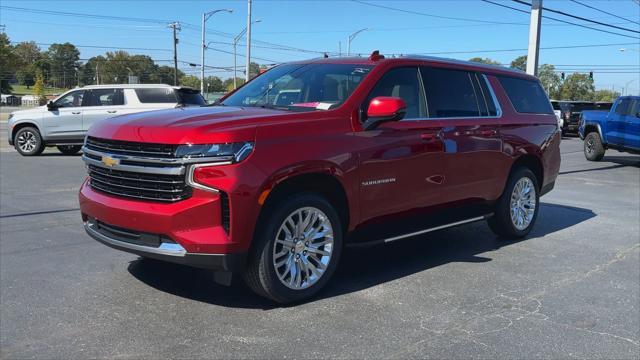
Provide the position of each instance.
(557, 110)
(311, 156)
(617, 129)
(64, 121)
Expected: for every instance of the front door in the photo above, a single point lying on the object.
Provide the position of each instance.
(65, 122)
(632, 119)
(401, 167)
(617, 122)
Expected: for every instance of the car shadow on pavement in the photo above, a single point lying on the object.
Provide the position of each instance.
(362, 268)
(621, 161)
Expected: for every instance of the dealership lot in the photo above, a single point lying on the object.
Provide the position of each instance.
(571, 289)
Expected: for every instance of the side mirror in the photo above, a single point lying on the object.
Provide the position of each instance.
(51, 106)
(383, 109)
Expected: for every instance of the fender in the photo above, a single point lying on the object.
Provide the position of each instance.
(20, 124)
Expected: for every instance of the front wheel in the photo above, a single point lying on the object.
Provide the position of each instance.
(593, 148)
(517, 208)
(297, 249)
(69, 149)
(28, 142)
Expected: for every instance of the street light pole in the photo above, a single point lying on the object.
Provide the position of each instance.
(206, 17)
(626, 87)
(248, 40)
(235, 45)
(534, 37)
(351, 37)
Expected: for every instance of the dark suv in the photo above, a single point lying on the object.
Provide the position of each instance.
(312, 156)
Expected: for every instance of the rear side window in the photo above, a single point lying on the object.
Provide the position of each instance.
(105, 97)
(451, 93)
(527, 96)
(191, 97)
(157, 95)
(624, 107)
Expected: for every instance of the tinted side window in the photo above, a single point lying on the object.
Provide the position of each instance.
(72, 99)
(105, 97)
(158, 95)
(450, 93)
(623, 107)
(491, 105)
(191, 97)
(405, 84)
(527, 96)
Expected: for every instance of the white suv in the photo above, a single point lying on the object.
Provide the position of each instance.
(64, 121)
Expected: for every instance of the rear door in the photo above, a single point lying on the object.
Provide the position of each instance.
(65, 123)
(401, 165)
(473, 158)
(102, 104)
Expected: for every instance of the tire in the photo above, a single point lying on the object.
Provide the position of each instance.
(273, 261)
(28, 142)
(503, 223)
(69, 149)
(593, 148)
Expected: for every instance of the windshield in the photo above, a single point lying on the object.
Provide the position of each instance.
(301, 87)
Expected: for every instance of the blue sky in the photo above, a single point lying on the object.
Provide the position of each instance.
(321, 25)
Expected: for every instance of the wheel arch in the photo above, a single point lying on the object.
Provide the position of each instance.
(24, 124)
(592, 127)
(532, 163)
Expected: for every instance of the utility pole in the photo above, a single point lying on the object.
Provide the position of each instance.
(206, 17)
(339, 48)
(534, 37)
(176, 27)
(235, 45)
(248, 40)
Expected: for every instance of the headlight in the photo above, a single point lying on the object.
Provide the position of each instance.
(234, 152)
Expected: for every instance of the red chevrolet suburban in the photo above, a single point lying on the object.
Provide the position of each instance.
(279, 176)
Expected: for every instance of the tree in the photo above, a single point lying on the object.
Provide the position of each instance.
(550, 80)
(577, 87)
(190, 81)
(38, 87)
(213, 84)
(254, 70)
(164, 75)
(605, 95)
(27, 75)
(228, 83)
(484, 61)
(9, 63)
(28, 52)
(520, 63)
(64, 59)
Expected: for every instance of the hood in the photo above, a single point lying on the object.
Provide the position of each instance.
(29, 112)
(199, 125)
(593, 115)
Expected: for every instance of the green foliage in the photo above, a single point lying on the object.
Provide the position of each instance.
(190, 81)
(550, 80)
(605, 95)
(27, 75)
(577, 87)
(9, 63)
(484, 61)
(64, 61)
(38, 87)
(520, 63)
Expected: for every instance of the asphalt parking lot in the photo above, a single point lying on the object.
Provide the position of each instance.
(571, 289)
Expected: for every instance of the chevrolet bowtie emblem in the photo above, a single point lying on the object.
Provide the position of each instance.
(109, 161)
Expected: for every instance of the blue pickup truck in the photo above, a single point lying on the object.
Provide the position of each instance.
(618, 128)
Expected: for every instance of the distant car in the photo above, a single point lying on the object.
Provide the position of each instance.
(64, 121)
(617, 129)
(570, 112)
(558, 111)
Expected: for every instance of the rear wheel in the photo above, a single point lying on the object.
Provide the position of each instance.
(28, 142)
(69, 149)
(297, 249)
(517, 209)
(593, 148)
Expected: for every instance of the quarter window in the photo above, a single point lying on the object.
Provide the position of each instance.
(157, 95)
(405, 84)
(105, 97)
(72, 99)
(527, 96)
(451, 93)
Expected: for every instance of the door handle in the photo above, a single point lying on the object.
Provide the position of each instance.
(488, 132)
(112, 111)
(75, 112)
(429, 136)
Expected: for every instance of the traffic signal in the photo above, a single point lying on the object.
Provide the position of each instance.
(591, 75)
(562, 75)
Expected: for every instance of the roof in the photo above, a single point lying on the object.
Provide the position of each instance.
(132, 86)
(411, 58)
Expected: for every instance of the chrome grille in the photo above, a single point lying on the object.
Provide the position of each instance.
(130, 148)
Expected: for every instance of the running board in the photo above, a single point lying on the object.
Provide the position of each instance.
(416, 233)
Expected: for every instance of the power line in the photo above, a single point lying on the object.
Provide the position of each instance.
(559, 20)
(90, 16)
(579, 17)
(605, 12)
(521, 49)
(100, 47)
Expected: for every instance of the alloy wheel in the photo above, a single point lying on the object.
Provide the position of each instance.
(303, 248)
(27, 141)
(523, 203)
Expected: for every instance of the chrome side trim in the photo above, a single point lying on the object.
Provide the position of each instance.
(196, 185)
(166, 161)
(493, 96)
(178, 170)
(169, 249)
(435, 228)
